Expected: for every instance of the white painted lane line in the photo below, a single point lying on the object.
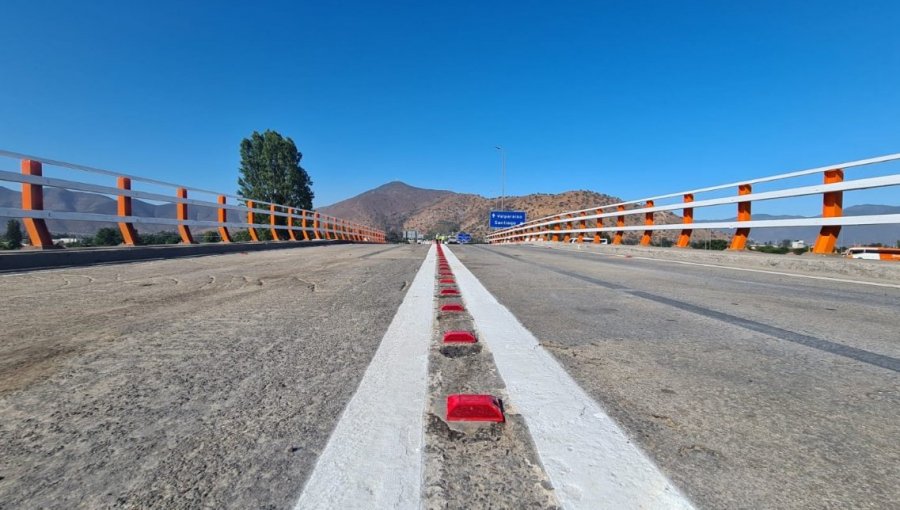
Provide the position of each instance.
(718, 266)
(373, 458)
(589, 459)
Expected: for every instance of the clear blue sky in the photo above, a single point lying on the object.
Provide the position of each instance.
(628, 98)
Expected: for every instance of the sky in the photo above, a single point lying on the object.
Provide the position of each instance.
(628, 98)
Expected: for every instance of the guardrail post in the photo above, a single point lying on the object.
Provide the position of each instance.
(181, 210)
(582, 225)
(273, 223)
(556, 229)
(290, 224)
(597, 235)
(620, 222)
(684, 239)
(129, 234)
(223, 218)
(739, 241)
(33, 200)
(316, 225)
(251, 221)
(325, 224)
(303, 224)
(648, 221)
(832, 207)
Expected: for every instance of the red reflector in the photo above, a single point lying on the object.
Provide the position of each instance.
(447, 280)
(449, 292)
(464, 337)
(444, 274)
(474, 408)
(452, 307)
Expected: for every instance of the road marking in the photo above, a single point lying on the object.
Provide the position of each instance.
(718, 266)
(590, 460)
(373, 458)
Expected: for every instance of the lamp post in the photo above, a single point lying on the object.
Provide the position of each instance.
(502, 174)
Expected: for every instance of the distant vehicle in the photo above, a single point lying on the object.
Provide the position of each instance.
(873, 253)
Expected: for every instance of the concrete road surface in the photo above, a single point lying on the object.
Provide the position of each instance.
(213, 381)
(219, 381)
(750, 390)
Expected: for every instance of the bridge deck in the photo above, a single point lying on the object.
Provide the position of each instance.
(218, 380)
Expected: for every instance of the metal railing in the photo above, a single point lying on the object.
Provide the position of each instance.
(297, 225)
(563, 226)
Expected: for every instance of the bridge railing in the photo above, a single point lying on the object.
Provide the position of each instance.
(294, 225)
(569, 225)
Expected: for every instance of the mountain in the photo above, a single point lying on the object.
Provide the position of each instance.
(387, 206)
(397, 206)
(850, 235)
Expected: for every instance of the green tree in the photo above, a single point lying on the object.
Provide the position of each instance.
(108, 237)
(271, 171)
(13, 235)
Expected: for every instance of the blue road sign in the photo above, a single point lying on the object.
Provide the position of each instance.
(503, 219)
(463, 238)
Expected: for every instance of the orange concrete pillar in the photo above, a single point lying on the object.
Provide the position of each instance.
(556, 229)
(620, 222)
(568, 226)
(273, 222)
(597, 235)
(648, 220)
(33, 200)
(290, 224)
(129, 234)
(251, 221)
(223, 218)
(303, 224)
(684, 239)
(582, 225)
(316, 226)
(832, 207)
(181, 212)
(739, 241)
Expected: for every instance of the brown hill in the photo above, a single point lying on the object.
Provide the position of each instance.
(387, 206)
(397, 206)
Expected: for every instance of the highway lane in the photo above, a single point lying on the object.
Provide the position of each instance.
(750, 390)
(210, 381)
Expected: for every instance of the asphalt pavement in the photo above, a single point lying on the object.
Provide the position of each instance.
(212, 381)
(749, 389)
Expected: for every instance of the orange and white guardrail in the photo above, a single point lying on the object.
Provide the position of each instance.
(300, 224)
(565, 226)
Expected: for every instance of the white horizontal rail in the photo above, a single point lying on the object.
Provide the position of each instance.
(870, 183)
(799, 173)
(879, 219)
(144, 220)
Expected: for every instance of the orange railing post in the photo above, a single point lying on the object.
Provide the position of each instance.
(251, 221)
(684, 239)
(832, 207)
(567, 226)
(33, 200)
(582, 225)
(597, 235)
(129, 234)
(273, 222)
(556, 229)
(739, 241)
(316, 225)
(620, 222)
(648, 221)
(303, 224)
(181, 210)
(290, 224)
(223, 219)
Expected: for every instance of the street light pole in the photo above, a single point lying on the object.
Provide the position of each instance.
(502, 174)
